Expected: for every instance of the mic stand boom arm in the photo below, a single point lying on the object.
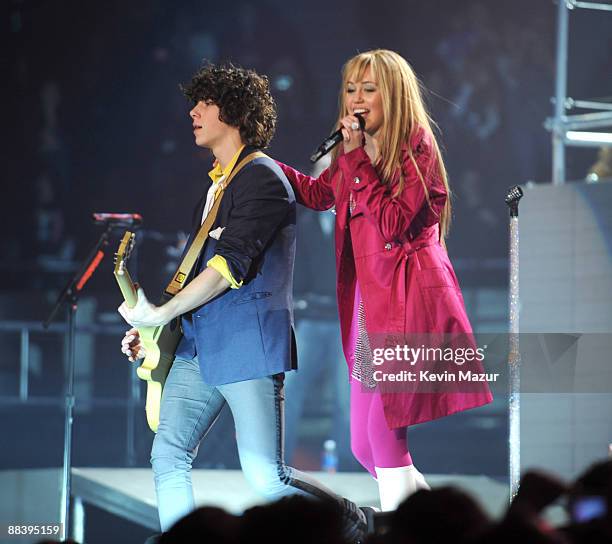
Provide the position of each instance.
(70, 295)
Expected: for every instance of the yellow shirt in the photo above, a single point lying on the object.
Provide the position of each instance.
(217, 172)
(218, 262)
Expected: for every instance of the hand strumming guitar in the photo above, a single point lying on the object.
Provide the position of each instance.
(131, 346)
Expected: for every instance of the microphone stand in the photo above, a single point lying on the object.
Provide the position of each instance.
(514, 357)
(70, 295)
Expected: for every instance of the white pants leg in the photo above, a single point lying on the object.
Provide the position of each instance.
(395, 484)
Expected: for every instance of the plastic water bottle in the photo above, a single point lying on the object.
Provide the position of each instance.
(329, 457)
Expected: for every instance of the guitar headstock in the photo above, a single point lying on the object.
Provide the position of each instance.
(124, 252)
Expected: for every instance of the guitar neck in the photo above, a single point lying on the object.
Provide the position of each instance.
(127, 287)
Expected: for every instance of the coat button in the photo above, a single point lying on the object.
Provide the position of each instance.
(356, 179)
(388, 246)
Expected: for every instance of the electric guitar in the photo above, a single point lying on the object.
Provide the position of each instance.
(159, 342)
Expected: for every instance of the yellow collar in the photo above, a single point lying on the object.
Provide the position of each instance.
(217, 172)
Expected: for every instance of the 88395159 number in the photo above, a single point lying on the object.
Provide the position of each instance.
(25, 529)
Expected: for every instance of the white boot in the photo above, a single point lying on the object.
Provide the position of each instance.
(395, 484)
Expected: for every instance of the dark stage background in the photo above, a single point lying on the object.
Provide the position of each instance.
(94, 121)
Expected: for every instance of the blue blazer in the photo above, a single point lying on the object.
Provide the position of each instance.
(247, 333)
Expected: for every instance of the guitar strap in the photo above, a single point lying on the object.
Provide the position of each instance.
(186, 266)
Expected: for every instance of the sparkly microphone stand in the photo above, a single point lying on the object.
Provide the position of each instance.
(514, 357)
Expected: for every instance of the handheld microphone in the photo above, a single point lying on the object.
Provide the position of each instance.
(133, 220)
(332, 141)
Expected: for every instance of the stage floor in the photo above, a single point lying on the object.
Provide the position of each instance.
(32, 496)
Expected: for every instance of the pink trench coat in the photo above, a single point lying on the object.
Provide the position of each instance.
(391, 247)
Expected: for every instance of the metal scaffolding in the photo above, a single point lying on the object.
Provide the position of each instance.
(571, 130)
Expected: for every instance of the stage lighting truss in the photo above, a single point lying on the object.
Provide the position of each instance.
(572, 130)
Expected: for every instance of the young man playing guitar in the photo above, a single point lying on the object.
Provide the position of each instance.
(235, 308)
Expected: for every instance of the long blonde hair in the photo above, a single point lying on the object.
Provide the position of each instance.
(404, 114)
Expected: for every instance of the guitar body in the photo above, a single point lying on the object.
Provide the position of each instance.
(159, 342)
(160, 345)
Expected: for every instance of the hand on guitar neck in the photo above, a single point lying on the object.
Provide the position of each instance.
(132, 347)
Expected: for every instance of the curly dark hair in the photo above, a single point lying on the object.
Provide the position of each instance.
(243, 98)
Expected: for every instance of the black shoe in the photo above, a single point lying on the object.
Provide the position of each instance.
(370, 515)
(153, 539)
(355, 522)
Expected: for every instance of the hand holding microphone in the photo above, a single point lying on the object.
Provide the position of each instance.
(355, 136)
(351, 132)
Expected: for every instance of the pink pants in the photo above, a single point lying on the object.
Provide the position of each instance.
(372, 442)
